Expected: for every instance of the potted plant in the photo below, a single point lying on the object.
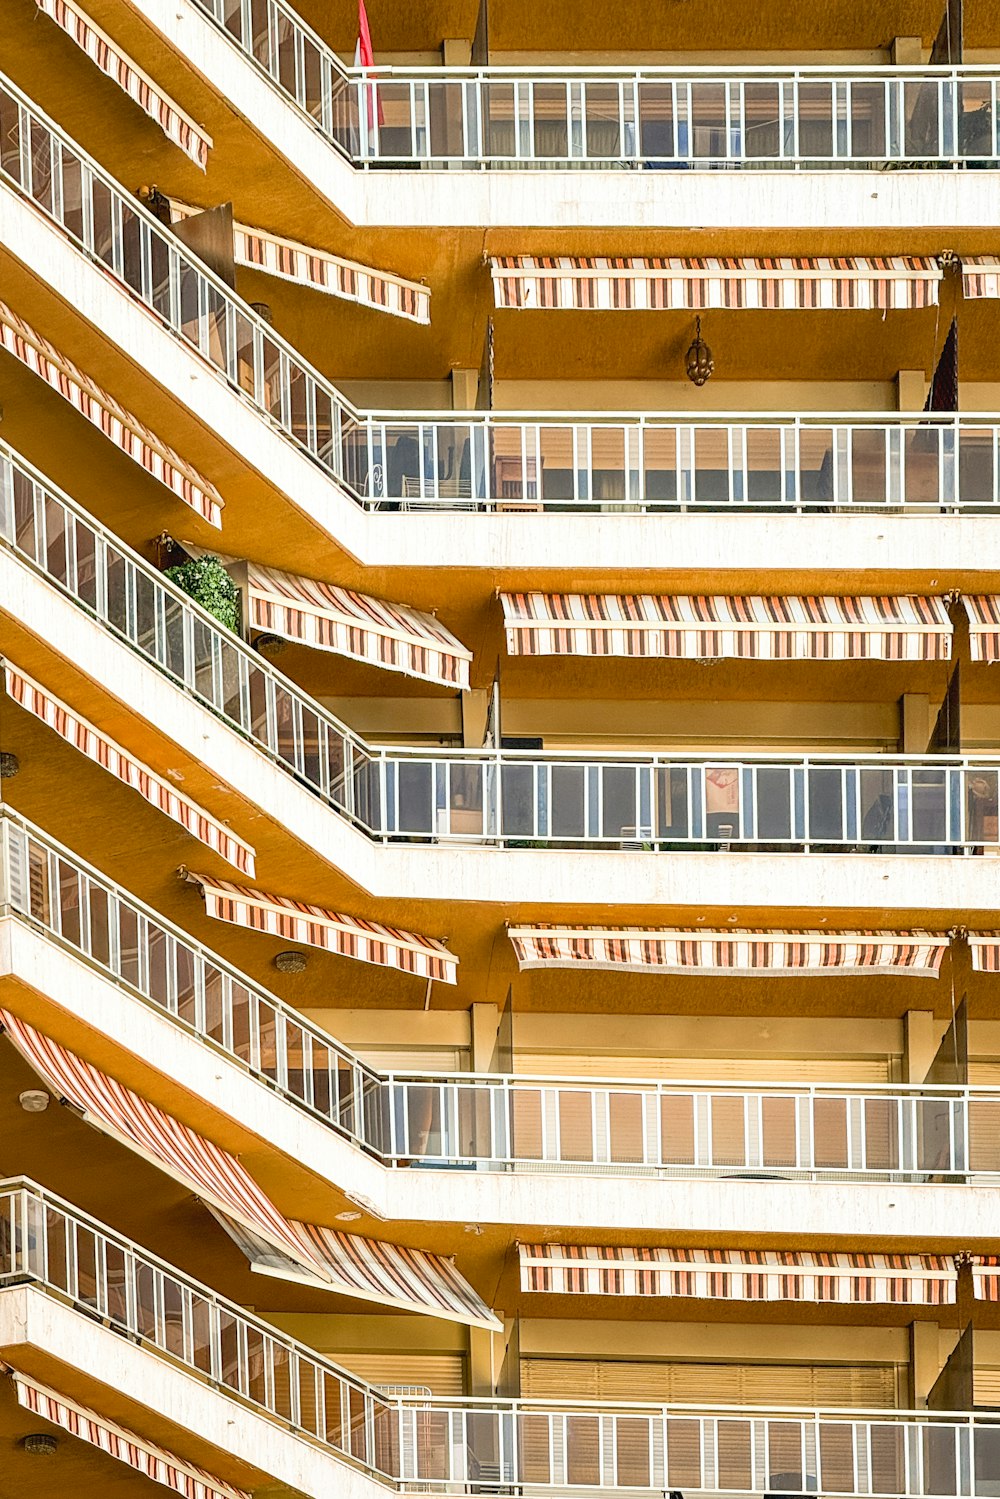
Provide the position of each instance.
(205, 580)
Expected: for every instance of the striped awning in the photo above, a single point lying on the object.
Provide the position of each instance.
(146, 1458)
(212, 1173)
(738, 1275)
(121, 69)
(155, 789)
(117, 424)
(685, 950)
(352, 624)
(983, 610)
(980, 276)
(699, 627)
(986, 1277)
(787, 282)
(305, 265)
(348, 936)
(985, 948)
(411, 1280)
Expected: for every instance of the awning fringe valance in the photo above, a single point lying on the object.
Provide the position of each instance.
(352, 624)
(103, 751)
(305, 265)
(980, 276)
(145, 1457)
(738, 1275)
(409, 1280)
(986, 1277)
(312, 926)
(121, 69)
(104, 412)
(196, 1162)
(985, 949)
(786, 282)
(687, 949)
(983, 610)
(882, 628)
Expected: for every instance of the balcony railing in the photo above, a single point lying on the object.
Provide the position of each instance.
(500, 797)
(472, 1445)
(487, 460)
(614, 117)
(471, 1121)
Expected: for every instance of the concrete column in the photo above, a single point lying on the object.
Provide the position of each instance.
(456, 51)
(914, 723)
(475, 711)
(484, 1028)
(925, 1365)
(907, 51)
(464, 389)
(485, 1360)
(921, 1037)
(911, 390)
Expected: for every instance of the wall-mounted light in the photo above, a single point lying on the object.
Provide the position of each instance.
(33, 1100)
(290, 962)
(699, 363)
(9, 766)
(40, 1443)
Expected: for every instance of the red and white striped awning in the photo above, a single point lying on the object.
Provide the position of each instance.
(117, 424)
(160, 793)
(983, 610)
(121, 69)
(145, 1457)
(698, 627)
(411, 1280)
(985, 947)
(786, 282)
(348, 936)
(986, 1277)
(980, 276)
(690, 949)
(259, 250)
(352, 624)
(738, 1275)
(212, 1173)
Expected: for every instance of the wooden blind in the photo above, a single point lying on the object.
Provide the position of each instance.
(719, 1384)
(441, 1373)
(708, 1069)
(986, 1387)
(416, 1058)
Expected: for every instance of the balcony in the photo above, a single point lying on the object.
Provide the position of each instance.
(918, 1135)
(472, 1446)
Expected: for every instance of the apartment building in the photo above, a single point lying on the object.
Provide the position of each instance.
(499, 749)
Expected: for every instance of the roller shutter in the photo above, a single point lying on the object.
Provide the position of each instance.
(872, 1385)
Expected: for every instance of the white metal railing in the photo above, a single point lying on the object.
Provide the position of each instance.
(672, 118)
(944, 804)
(478, 1445)
(489, 460)
(497, 1123)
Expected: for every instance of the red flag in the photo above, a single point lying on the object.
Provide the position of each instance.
(364, 57)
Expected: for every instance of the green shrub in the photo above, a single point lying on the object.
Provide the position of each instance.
(205, 580)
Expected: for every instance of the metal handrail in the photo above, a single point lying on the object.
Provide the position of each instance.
(619, 799)
(814, 1131)
(472, 1444)
(491, 461)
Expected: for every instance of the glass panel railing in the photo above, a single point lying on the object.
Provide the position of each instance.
(671, 118)
(486, 460)
(859, 804)
(668, 1129)
(474, 1446)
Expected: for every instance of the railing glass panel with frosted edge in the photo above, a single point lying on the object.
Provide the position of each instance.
(474, 1445)
(827, 1132)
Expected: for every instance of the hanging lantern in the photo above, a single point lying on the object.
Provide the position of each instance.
(699, 362)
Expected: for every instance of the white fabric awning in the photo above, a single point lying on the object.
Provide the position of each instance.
(312, 926)
(410, 1280)
(738, 1275)
(983, 610)
(786, 282)
(145, 1457)
(305, 265)
(121, 69)
(697, 949)
(352, 624)
(118, 425)
(699, 627)
(212, 1173)
(154, 789)
(980, 276)
(986, 1277)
